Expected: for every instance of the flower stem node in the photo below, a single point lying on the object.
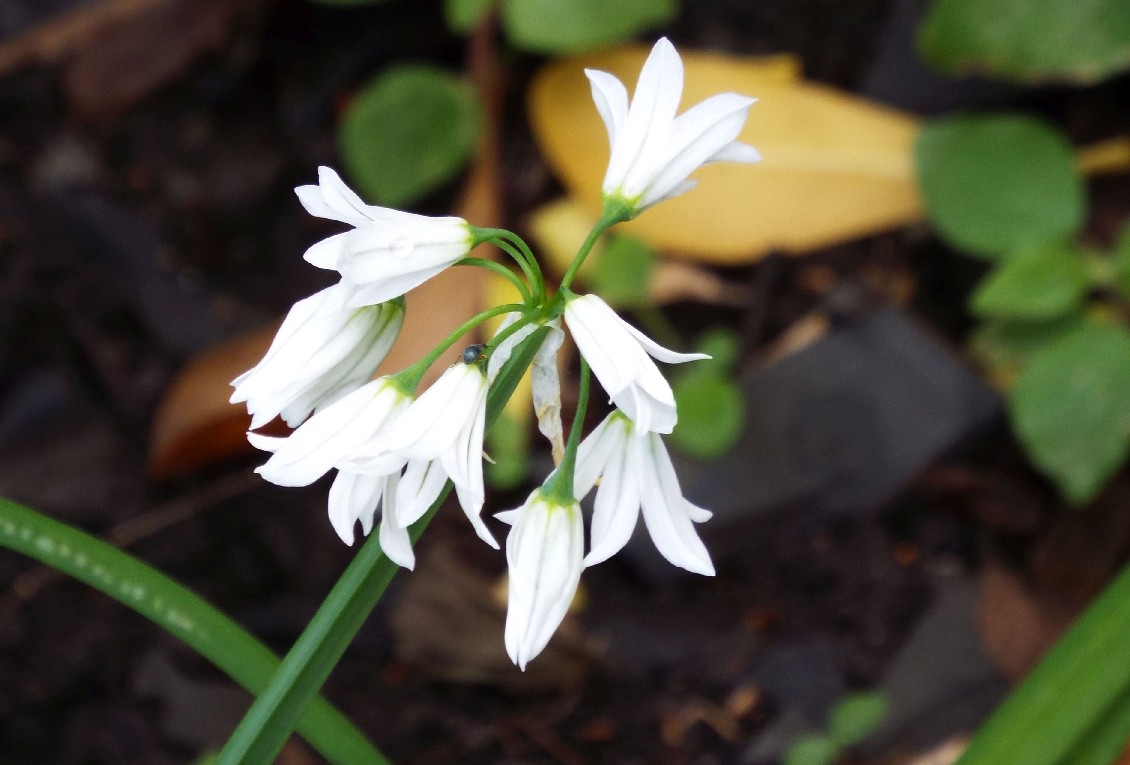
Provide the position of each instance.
(652, 150)
(544, 552)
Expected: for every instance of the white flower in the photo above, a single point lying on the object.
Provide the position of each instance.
(439, 436)
(543, 552)
(333, 434)
(653, 151)
(618, 354)
(322, 351)
(636, 472)
(388, 252)
(356, 496)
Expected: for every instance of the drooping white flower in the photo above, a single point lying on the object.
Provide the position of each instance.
(636, 472)
(356, 497)
(618, 354)
(388, 252)
(322, 351)
(439, 436)
(543, 552)
(653, 151)
(333, 434)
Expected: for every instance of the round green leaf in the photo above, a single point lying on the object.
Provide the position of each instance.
(622, 272)
(711, 415)
(1006, 346)
(572, 26)
(995, 185)
(1071, 408)
(408, 131)
(812, 750)
(855, 717)
(1029, 40)
(1040, 283)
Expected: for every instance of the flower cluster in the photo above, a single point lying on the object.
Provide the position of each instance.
(395, 451)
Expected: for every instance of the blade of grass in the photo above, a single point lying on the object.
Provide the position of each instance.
(1084, 678)
(184, 614)
(263, 731)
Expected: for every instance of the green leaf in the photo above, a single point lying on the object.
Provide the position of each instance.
(711, 414)
(622, 272)
(572, 26)
(1122, 261)
(1107, 738)
(464, 15)
(263, 731)
(854, 718)
(812, 750)
(995, 185)
(182, 613)
(1079, 41)
(408, 131)
(1070, 696)
(507, 443)
(1071, 408)
(1006, 346)
(1040, 283)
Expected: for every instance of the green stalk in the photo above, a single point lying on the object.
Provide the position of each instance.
(409, 379)
(1083, 680)
(502, 271)
(182, 613)
(615, 211)
(560, 487)
(264, 730)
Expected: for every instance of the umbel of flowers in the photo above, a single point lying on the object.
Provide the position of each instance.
(394, 449)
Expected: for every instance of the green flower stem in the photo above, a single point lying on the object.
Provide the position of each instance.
(262, 733)
(560, 487)
(520, 243)
(409, 379)
(182, 613)
(1070, 696)
(529, 267)
(615, 211)
(516, 248)
(502, 271)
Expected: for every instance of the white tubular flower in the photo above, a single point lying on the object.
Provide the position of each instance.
(618, 354)
(388, 252)
(543, 551)
(326, 439)
(634, 473)
(322, 351)
(653, 151)
(439, 436)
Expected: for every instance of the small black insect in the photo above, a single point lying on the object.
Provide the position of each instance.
(473, 353)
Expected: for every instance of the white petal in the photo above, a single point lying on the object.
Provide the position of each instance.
(418, 489)
(665, 511)
(353, 495)
(339, 198)
(736, 152)
(393, 535)
(329, 252)
(611, 99)
(593, 454)
(617, 505)
(657, 351)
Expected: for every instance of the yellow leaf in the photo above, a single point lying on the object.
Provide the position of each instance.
(834, 166)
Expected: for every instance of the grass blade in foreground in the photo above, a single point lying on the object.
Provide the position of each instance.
(318, 649)
(185, 615)
(1071, 694)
